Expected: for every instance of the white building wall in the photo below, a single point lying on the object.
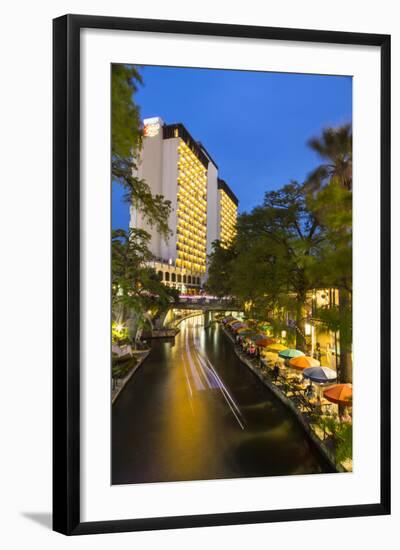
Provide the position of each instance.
(212, 206)
(150, 169)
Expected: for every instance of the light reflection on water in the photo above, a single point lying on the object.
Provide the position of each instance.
(194, 411)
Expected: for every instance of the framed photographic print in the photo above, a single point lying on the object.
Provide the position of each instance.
(221, 274)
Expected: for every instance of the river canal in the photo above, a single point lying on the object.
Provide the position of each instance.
(193, 411)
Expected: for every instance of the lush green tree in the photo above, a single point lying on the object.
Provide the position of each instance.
(334, 147)
(277, 248)
(299, 239)
(344, 442)
(126, 141)
(341, 434)
(221, 261)
(126, 135)
(329, 190)
(137, 291)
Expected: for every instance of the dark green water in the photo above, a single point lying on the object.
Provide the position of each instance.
(193, 411)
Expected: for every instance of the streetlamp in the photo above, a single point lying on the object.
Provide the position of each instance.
(309, 330)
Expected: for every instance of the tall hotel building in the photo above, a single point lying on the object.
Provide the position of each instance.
(227, 213)
(204, 208)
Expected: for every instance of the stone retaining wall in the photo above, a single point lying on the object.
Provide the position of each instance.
(116, 392)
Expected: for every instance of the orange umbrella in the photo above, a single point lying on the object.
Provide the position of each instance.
(341, 394)
(303, 362)
(262, 342)
(242, 329)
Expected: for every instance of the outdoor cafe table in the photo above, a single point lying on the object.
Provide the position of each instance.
(324, 403)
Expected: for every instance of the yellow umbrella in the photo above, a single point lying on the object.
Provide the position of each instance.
(276, 348)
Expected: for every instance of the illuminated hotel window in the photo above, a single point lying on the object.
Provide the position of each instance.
(179, 278)
(173, 277)
(167, 275)
(191, 211)
(228, 214)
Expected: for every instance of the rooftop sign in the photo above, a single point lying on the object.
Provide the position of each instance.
(152, 126)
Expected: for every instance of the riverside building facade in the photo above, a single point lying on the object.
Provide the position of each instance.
(228, 205)
(204, 208)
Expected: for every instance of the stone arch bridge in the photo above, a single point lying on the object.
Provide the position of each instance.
(208, 305)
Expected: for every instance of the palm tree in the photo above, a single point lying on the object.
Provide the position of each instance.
(335, 147)
(333, 178)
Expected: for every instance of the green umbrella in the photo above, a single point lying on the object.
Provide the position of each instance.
(290, 353)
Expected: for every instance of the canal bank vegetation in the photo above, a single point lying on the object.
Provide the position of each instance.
(123, 369)
(297, 241)
(138, 295)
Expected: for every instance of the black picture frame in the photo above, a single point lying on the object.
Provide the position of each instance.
(66, 272)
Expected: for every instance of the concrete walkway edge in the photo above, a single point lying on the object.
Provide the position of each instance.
(129, 376)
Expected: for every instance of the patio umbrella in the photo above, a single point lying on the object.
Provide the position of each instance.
(264, 343)
(303, 362)
(322, 375)
(246, 332)
(244, 328)
(232, 322)
(227, 319)
(259, 336)
(237, 327)
(236, 323)
(261, 340)
(341, 394)
(276, 348)
(290, 353)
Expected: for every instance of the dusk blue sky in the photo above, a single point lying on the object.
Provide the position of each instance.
(255, 125)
